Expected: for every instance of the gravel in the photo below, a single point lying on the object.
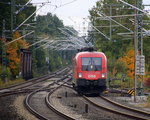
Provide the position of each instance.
(128, 101)
(12, 108)
(7, 110)
(21, 110)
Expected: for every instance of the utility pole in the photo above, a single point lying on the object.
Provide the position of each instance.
(12, 14)
(110, 21)
(4, 54)
(139, 57)
(135, 53)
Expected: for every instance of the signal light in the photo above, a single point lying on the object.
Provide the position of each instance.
(103, 75)
(80, 75)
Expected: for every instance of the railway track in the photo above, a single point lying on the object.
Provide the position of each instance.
(105, 104)
(34, 85)
(30, 85)
(108, 105)
(38, 102)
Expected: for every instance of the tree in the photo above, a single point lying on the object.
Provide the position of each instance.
(13, 51)
(118, 43)
(24, 13)
(5, 14)
(128, 60)
(41, 58)
(5, 73)
(48, 24)
(1, 44)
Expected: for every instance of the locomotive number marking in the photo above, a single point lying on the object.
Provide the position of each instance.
(92, 76)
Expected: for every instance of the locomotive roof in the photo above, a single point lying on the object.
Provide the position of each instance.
(80, 54)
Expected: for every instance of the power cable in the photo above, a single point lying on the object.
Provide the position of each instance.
(28, 17)
(19, 38)
(67, 3)
(18, 11)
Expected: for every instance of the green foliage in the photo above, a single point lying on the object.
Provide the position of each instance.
(1, 44)
(6, 10)
(5, 73)
(25, 13)
(118, 44)
(146, 50)
(40, 57)
(5, 14)
(55, 60)
(48, 24)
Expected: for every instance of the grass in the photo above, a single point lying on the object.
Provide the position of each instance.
(10, 82)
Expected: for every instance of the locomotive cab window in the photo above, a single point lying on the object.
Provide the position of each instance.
(91, 63)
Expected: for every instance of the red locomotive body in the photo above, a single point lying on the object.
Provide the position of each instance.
(89, 72)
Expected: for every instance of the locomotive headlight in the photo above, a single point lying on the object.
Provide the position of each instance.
(103, 75)
(80, 75)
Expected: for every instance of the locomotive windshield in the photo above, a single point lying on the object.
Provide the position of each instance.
(91, 63)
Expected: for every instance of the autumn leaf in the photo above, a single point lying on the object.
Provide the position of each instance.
(128, 60)
(13, 54)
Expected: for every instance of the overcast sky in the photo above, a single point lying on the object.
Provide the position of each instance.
(71, 12)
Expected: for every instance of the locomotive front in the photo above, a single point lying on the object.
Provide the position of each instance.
(90, 72)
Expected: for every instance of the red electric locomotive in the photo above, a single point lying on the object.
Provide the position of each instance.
(89, 72)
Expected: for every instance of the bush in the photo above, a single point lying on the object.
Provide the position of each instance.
(5, 74)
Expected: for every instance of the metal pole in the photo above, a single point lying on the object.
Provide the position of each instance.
(102, 14)
(110, 22)
(4, 53)
(136, 8)
(135, 52)
(12, 14)
(141, 40)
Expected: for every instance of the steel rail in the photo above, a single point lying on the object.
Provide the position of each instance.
(14, 92)
(116, 111)
(31, 82)
(53, 108)
(119, 105)
(29, 108)
(33, 111)
(125, 107)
